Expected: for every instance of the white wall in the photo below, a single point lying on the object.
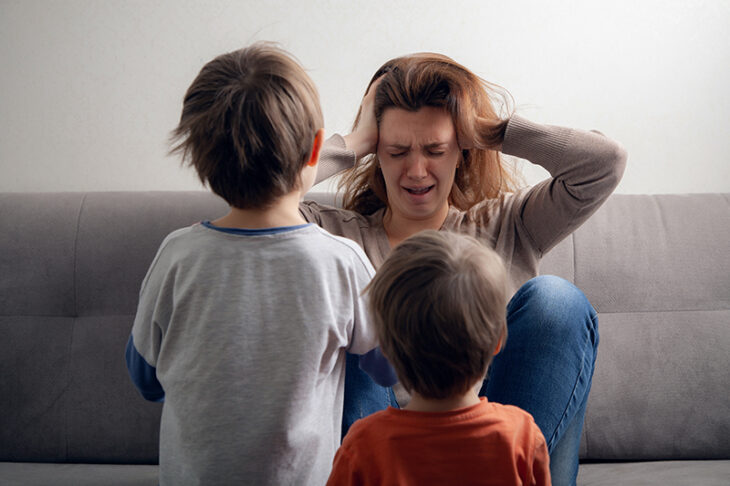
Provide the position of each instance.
(89, 89)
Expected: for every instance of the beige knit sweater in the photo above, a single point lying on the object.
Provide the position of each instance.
(585, 167)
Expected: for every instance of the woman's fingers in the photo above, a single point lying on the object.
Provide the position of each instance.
(364, 137)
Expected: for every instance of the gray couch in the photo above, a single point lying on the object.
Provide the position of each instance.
(657, 269)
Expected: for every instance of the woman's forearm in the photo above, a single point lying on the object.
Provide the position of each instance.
(585, 167)
(334, 158)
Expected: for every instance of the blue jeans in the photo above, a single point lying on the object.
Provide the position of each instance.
(545, 368)
(362, 395)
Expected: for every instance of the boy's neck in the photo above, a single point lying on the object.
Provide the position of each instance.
(419, 403)
(283, 212)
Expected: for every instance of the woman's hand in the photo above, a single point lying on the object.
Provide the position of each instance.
(364, 137)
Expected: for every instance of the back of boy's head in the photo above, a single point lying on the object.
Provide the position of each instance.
(248, 125)
(439, 305)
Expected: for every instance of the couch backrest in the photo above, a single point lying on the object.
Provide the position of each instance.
(657, 269)
(70, 270)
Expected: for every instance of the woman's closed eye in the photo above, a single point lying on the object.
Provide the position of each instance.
(431, 153)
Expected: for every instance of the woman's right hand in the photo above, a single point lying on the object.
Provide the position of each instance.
(364, 137)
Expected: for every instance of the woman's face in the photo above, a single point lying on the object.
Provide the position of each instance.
(418, 153)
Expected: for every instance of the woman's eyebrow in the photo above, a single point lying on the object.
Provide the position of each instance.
(398, 146)
(433, 145)
(427, 146)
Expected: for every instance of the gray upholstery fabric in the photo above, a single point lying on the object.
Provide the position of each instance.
(656, 268)
(70, 270)
(30, 474)
(664, 473)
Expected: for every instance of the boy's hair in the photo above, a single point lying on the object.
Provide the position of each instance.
(248, 125)
(439, 305)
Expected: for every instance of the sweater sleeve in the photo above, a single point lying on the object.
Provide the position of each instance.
(334, 158)
(585, 168)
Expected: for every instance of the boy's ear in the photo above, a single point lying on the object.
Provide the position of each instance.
(316, 147)
(498, 348)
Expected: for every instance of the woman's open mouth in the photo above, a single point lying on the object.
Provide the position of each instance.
(417, 191)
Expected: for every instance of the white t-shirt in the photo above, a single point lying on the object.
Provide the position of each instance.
(246, 332)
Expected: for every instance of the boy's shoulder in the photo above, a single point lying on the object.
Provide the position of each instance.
(180, 234)
(510, 414)
(176, 237)
(374, 427)
(344, 246)
(509, 422)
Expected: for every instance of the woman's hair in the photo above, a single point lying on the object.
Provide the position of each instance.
(248, 124)
(439, 304)
(427, 79)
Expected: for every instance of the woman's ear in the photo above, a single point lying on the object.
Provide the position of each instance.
(316, 147)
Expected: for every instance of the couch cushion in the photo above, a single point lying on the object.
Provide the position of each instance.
(30, 474)
(657, 270)
(35, 362)
(70, 274)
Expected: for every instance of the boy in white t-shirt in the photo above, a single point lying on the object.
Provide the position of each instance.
(243, 322)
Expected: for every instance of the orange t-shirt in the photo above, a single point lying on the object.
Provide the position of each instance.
(487, 443)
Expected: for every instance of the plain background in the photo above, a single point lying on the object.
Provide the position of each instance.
(90, 89)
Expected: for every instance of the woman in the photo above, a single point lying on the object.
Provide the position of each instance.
(430, 142)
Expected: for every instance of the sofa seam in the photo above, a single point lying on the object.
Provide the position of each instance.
(75, 257)
(660, 311)
(75, 312)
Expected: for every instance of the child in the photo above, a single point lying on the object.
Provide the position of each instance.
(243, 322)
(439, 305)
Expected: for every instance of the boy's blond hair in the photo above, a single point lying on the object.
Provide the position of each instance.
(248, 125)
(439, 305)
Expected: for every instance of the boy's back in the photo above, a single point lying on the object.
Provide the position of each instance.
(247, 337)
(439, 307)
(485, 444)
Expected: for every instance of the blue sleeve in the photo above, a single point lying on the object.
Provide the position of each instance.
(143, 375)
(378, 368)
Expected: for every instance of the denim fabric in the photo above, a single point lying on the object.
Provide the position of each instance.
(362, 395)
(547, 365)
(546, 368)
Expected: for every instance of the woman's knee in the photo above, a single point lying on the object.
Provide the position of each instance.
(555, 303)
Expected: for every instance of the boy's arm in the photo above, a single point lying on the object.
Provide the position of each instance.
(143, 375)
(378, 368)
(145, 339)
(363, 340)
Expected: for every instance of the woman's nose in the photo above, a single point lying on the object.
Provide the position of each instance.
(416, 167)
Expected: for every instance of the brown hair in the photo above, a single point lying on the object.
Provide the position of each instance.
(428, 79)
(248, 124)
(439, 305)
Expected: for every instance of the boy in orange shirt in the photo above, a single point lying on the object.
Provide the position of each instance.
(439, 304)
